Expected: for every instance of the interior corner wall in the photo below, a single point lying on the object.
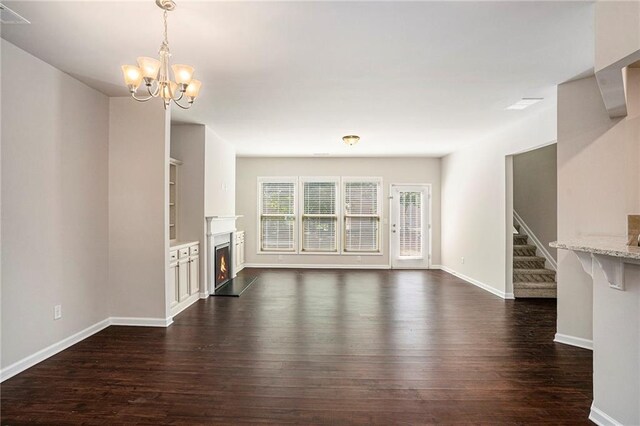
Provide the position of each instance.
(220, 176)
(535, 193)
(392, 170)
(474, 217)
(598, 185)
(138, 208)
(55, 205)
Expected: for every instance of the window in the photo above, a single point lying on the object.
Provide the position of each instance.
(361, 215)
(319, 215)
(277, 214)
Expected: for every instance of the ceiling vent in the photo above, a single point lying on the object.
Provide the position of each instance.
(8, 16)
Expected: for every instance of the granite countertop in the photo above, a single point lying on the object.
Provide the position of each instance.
(609, 246)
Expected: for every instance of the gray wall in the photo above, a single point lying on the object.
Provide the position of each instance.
(54, 210)
(392, 170)
(476, 220)
(598, 185)
(535, 193)
(138, 208)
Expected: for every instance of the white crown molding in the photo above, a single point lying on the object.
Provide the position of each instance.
(601, 418)
(543, 250)
(477, 283)
(573, 341)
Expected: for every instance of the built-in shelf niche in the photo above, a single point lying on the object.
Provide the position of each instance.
(174, 175)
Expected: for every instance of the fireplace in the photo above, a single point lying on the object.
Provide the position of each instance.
(222, 264)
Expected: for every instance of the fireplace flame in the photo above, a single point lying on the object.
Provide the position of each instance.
(223, 266)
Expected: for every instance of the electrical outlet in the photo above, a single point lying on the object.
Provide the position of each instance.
(57, 312)
(359, 258)
(280, 258)
(462, 259)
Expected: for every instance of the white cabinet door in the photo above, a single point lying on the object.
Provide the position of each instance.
(183, 279)
(194, 275)
(173, 283)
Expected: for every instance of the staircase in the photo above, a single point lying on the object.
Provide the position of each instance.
(530, 277)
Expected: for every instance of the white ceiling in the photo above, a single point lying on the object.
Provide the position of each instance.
(291, 78)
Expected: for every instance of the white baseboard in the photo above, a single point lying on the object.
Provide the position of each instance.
(477, 283)
(41, 355)
(601, 418)
(312, 266)
(573, 341)
(185, 304)
(204, 295)
(142, 322)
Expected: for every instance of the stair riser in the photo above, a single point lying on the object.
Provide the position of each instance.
(533, 278)
(520, 239)
(528, 264)
(535, 293)
(524, 251)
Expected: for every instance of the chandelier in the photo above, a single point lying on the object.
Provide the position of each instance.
(155, 73)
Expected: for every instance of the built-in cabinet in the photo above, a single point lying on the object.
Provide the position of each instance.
(184, 275)
(239, 250)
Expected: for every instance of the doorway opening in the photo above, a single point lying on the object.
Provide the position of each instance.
(531, 218)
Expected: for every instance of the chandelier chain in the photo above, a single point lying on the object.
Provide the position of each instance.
(166, 37)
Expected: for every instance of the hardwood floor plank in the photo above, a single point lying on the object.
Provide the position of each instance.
(320, 347)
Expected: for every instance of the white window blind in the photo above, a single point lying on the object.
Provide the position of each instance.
(361, 216)
(277, 216)
(410, 226)
(319, 217)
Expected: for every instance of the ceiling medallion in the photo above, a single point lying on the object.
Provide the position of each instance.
(155, 73)
(351, 139)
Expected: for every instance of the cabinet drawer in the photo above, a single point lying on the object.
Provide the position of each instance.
(194, 249)
(173, 255)
(184, 252)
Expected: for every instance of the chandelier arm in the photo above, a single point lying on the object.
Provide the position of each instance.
(183, 107)
(156, 91)
(141, 99)
(180, 98)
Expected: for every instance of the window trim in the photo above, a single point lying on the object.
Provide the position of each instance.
(368, 179)
(260, 215)
(333, 179)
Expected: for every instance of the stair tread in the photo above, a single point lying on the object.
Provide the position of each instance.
(522, 258)
(524, 246)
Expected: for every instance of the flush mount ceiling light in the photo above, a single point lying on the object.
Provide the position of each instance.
(525, 103)
(351, 139)
(155, 73)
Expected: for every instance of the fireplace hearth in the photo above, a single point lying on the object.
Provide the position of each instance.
(222, 264)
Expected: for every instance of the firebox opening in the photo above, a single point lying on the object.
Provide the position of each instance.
(223, 265)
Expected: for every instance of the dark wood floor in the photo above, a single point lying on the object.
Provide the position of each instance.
(321, 347)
